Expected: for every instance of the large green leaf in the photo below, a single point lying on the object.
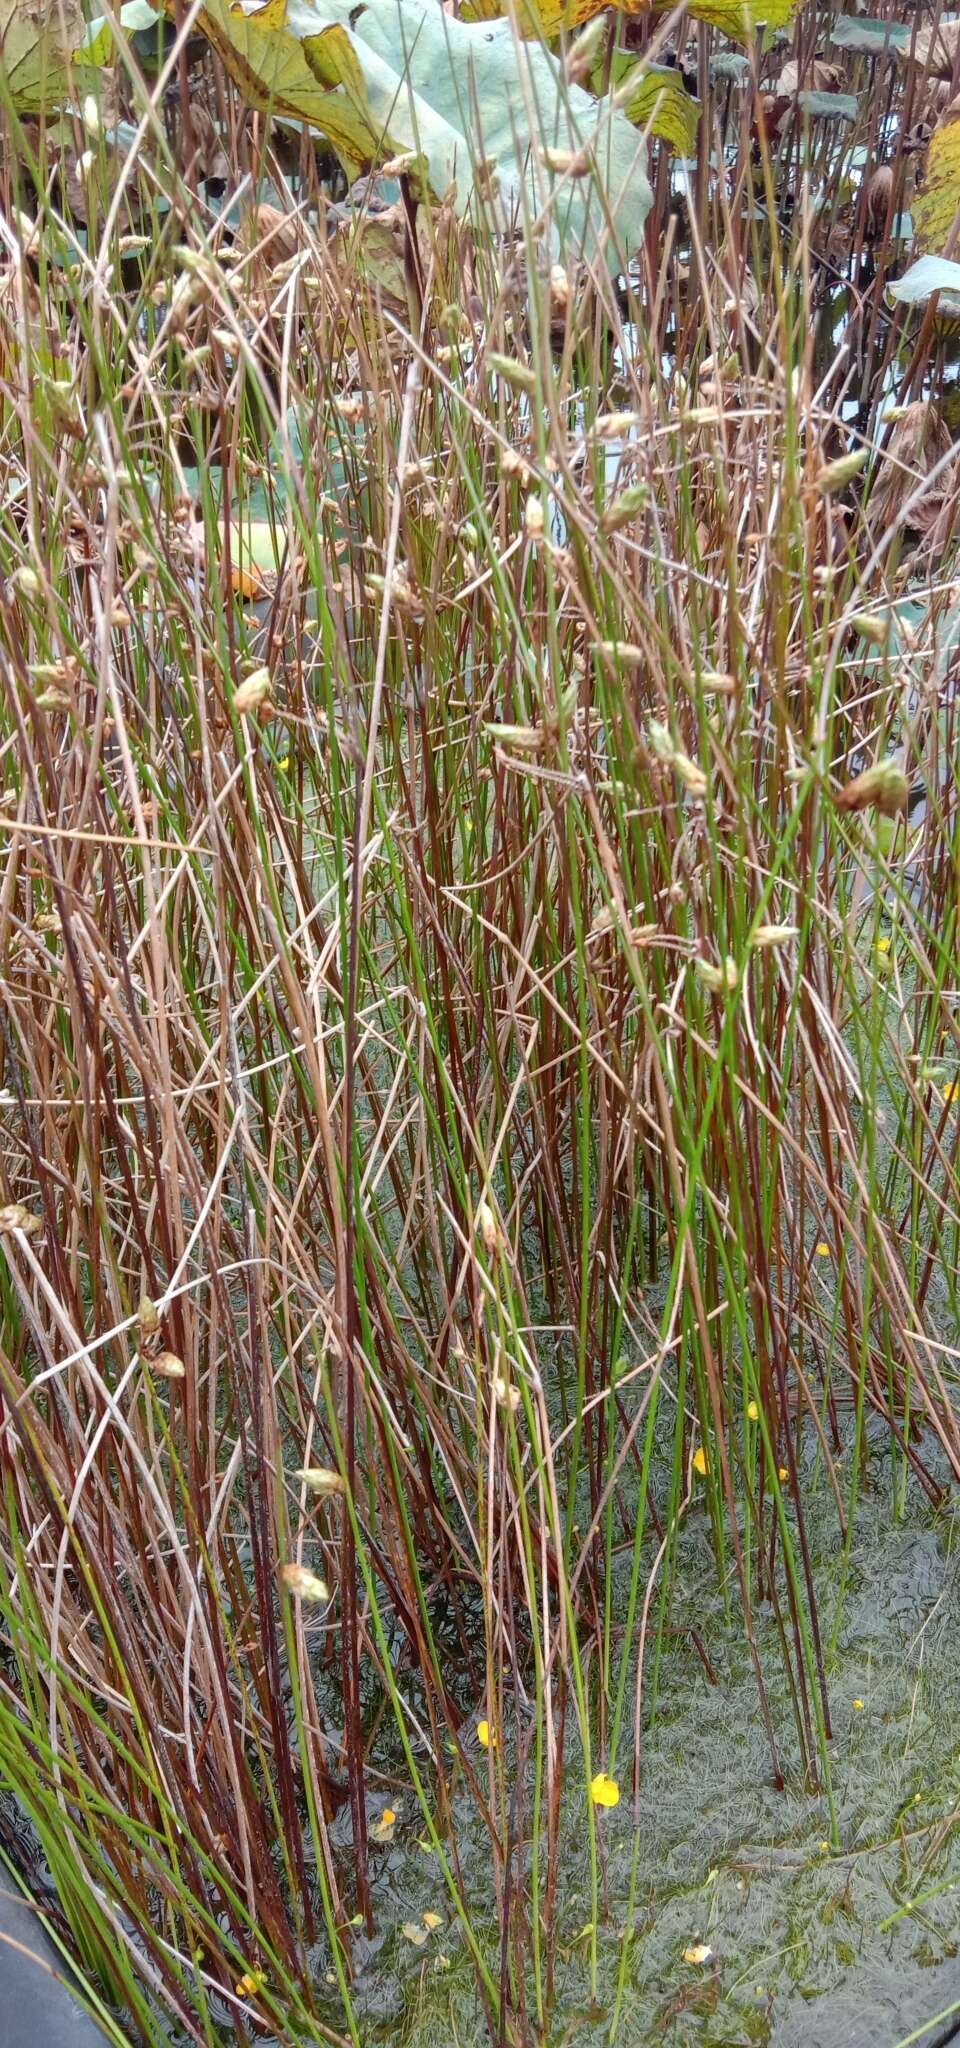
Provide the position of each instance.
(37, 41)
(384, 77)
(929, 275)
(310, 74)
(136, 17)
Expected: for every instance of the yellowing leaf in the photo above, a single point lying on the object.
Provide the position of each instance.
(389, 78)
(547, 17)
(654, 98)
(432, 1920)
(604, 1791)
(314, 78)
(411, 1932)
(935, 205)
(739, 18)
(700, 1461)
(753, 1412)
(382, 1830)
(37, 41)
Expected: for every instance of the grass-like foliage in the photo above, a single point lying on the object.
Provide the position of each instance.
(478, 1014)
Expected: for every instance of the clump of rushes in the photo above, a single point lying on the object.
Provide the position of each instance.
(471, 1125)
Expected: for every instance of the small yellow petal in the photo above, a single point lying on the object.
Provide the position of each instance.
(857, 1706)
(700, 1463)
(782, 1473)
(699, 1953)
(251, 1983)
(604, 1791)
(883, 945)
(432, 1920)
(484, 1737)
(951, 1092)
(753, 1412)
(823, 1250)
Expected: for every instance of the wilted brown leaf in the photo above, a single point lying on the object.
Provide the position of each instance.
(919, 441)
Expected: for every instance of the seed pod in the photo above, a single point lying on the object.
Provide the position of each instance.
(319, 1479)
(252, 692)
(690, 772)
(148, 1321)
(533, 517)
(487, 1227)
(521, 375)
(623, 509)
(167, 1366)
(879, 195)
(723, 978)
(585, 49)
(303, 1585)
(13, 1216)
(884, 786)
(872, 626)
(835, 475)
(505, 1395)
(767, 935)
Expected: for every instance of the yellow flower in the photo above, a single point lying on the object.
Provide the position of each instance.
(782, 1473)
(951, 1092)
(823, 1250)
(753, 1412)
(604, 1791)
(699, 1953)
(883, 945)
(484, 1737)
(857, 1706)
(251, 1983)
(700, 1461)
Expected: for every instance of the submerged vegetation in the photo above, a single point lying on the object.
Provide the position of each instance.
(480, 1047)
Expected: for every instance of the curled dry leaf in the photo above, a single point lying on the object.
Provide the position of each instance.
(919, 442)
